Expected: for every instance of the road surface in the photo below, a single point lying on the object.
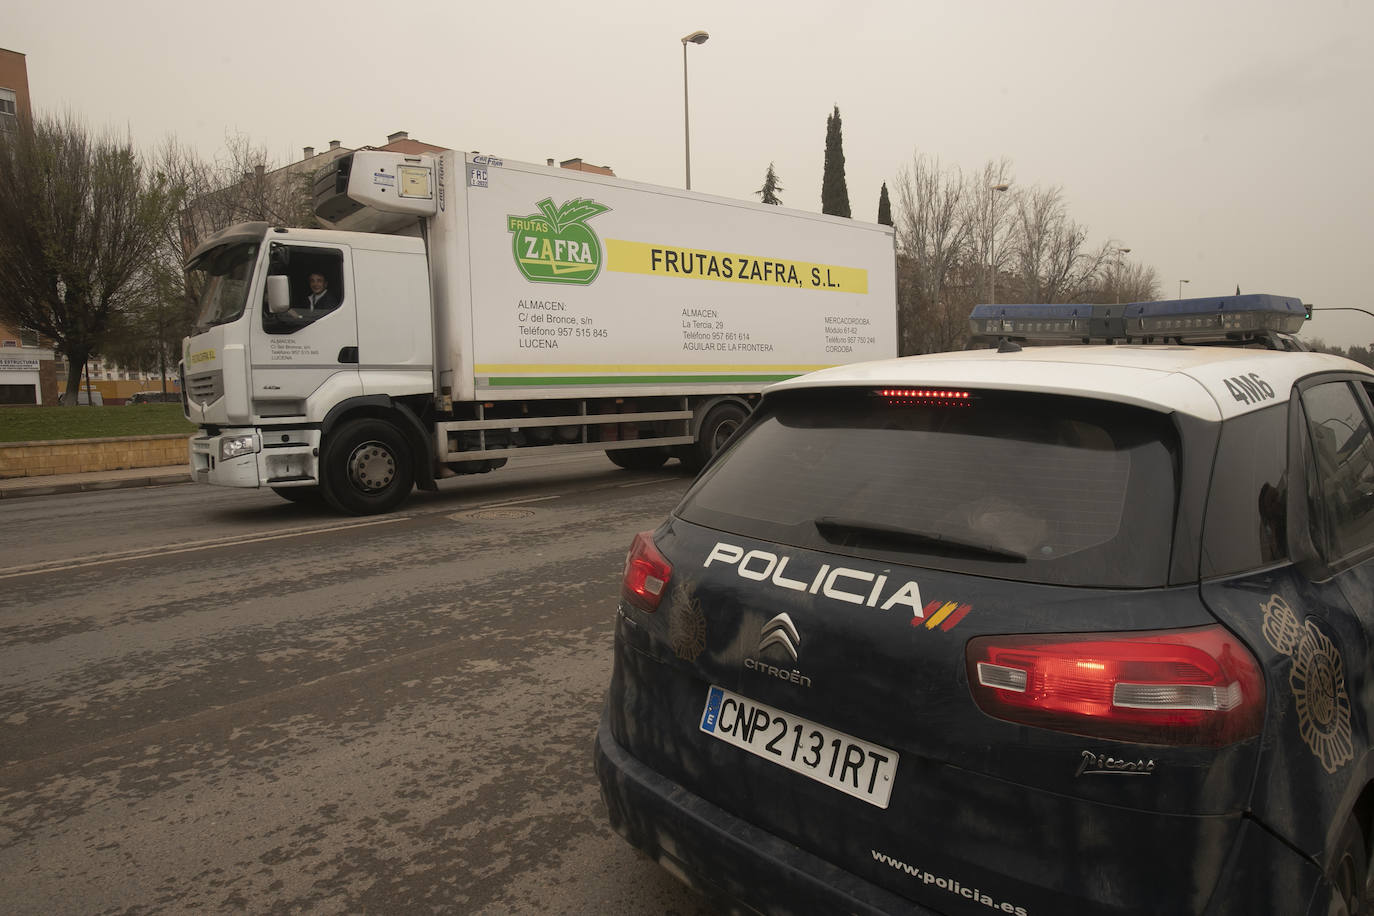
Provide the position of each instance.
(218, 700)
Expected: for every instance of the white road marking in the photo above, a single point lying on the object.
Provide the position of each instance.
(107, 558)
(516, 502)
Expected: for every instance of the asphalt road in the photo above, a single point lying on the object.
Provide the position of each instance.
(219, 701)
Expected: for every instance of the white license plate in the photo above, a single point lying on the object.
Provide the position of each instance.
(855, 767)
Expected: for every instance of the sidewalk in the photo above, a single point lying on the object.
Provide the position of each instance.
(16, 487)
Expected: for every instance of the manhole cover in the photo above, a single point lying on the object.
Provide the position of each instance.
(492, 515)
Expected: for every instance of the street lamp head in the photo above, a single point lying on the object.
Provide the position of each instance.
(696, 38)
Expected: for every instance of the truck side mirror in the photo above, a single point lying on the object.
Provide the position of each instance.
(278, 294)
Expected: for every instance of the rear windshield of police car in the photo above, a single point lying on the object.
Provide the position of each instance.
(1026, 487)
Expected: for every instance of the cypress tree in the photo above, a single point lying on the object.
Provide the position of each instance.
(834, 193)
(884, 208)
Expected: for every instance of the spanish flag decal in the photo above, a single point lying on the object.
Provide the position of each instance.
(943, 614)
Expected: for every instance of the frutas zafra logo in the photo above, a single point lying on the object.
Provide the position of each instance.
(557, 245)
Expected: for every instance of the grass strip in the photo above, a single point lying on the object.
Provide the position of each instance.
(36, 424)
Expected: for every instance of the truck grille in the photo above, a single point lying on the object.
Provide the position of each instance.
(205, 387)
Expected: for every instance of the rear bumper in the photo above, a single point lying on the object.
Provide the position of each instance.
(720, 855)
(745, 869)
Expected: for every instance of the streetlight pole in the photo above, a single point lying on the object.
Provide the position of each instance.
(1180, 287)
(992, 240)
(696, 38)
(1117, 284)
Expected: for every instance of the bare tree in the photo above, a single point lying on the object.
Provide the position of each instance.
(933, 233)
(958, 235)
(80, 220)
(1140, 283)
(1122, 280)
(1361, 355)
(242, 185)
(148, 338)
(990, 228)
(1052, 265)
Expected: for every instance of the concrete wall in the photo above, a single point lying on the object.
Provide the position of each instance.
(73, 456)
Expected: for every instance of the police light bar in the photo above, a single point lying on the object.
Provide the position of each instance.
(1209, 319)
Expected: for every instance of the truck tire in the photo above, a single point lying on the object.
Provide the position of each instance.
(476, 467)
(1349, 870)
(719, 426)
(638, 459)
(367, 467)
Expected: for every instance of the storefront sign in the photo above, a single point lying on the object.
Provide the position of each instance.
(29, 363)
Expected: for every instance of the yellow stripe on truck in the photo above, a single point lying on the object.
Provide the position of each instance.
(731, 267)
(546, 368)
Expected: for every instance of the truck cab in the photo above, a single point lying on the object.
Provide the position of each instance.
(265, 379)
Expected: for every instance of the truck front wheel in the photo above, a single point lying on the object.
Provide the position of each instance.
(367, 467)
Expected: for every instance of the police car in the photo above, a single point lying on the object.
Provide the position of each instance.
(1031, 630)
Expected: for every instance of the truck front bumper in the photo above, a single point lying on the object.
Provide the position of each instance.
(248, 457)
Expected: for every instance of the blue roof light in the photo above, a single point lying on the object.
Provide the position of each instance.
(1208, 319)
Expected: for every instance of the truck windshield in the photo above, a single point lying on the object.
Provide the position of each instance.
(218, 282)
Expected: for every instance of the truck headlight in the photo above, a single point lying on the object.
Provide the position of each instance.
(234, 446)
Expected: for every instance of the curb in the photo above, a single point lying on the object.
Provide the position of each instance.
(88, 486)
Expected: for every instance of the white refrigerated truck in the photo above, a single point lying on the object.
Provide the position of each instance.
(493, 308)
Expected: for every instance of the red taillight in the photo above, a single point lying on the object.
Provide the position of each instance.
(1197, 686)
(646, 573)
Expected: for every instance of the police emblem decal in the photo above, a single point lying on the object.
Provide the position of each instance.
(1317, 679)
(686, 626)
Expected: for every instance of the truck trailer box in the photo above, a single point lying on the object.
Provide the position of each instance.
(549, 282)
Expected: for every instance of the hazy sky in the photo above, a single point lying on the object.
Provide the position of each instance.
(1226, 143)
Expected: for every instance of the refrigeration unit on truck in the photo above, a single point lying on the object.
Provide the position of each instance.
(494, 308)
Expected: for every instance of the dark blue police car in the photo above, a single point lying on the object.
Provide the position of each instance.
(1029, 630)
